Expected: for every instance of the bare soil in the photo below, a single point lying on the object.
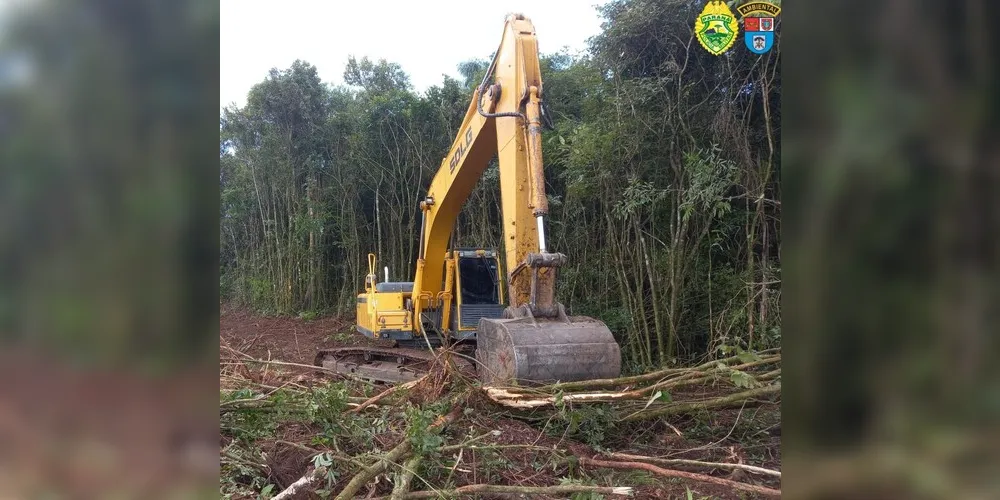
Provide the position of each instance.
(285, 338)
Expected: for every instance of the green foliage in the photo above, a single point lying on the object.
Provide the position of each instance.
(591, 424)
(265, 492)
(250, 418)
(324, 406)
(326, 460)
(637, 194)
(661, 396)
(418, 420)
(710, 176)
(743, 380)
(379, 78)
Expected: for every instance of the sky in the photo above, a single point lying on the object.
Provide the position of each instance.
(427, 38)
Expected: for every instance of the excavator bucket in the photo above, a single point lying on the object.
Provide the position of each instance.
(536, 350)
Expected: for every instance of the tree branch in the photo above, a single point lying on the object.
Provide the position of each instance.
(522, 490)
(696, 463)
(394, 456)
(681, 474)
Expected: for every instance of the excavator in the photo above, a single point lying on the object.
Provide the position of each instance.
(503, 305)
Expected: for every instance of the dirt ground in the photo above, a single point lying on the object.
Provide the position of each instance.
(284, 338)
(296, 340)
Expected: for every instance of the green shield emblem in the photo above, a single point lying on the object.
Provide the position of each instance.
(716, 27)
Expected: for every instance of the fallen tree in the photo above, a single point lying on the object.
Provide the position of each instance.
(738, 399)
(742, 380)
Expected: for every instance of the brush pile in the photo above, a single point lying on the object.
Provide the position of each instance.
(288, 431)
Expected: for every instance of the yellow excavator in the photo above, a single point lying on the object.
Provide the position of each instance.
(520, 333)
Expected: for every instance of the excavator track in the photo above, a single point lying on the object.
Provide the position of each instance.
(391, 365)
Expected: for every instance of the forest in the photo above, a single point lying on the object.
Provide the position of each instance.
(662, 172)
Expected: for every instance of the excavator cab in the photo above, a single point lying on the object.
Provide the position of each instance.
(478, 290)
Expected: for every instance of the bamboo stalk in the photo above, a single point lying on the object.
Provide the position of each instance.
(696, 463)
(522, 490)
(737, 399)
(682, 474)
(383, 394)
(300, 484)
(402, 486)
(646, 377)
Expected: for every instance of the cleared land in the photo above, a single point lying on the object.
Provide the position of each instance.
(276, 418)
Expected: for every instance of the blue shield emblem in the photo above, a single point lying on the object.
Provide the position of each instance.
(759, 42)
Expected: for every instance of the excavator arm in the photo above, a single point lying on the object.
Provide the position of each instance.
(535, 340)
(504, 120)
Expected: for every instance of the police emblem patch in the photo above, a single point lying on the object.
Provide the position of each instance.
(758, 25)
(716, 27)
